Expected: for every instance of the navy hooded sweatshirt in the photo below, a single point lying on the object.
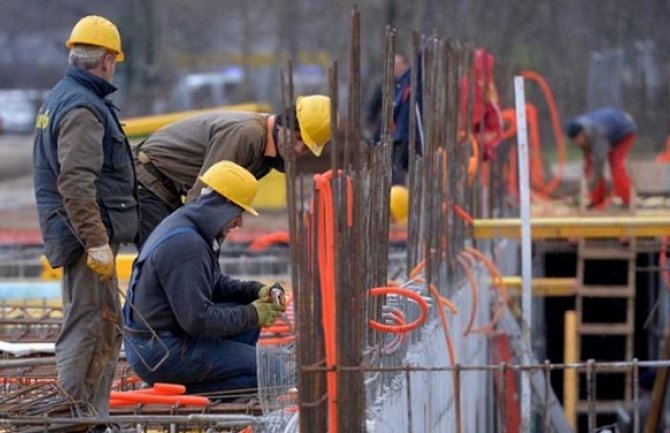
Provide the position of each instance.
(180, 282)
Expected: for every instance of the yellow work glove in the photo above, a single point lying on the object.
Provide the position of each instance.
(267, 312)
(273, 293)
(101, 261)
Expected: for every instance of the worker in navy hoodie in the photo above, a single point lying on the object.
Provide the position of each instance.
(185, 321)
(606, 133)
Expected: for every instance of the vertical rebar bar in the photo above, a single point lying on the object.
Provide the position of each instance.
(409, 402)
(636, 396)
(591, 395)
(503, 397)
(547, 388)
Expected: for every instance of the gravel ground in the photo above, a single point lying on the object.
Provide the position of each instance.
(17, 201)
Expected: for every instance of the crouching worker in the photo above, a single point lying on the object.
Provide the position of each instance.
(205, 324)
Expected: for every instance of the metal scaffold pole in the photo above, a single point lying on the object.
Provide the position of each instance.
(524, 194)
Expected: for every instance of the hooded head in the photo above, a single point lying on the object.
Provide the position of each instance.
(231, 189)
(214, 215)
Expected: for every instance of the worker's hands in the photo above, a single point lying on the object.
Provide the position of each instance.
(273, 293)
(101, 261)
(267, 312)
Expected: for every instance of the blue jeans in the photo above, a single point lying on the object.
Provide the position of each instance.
(203, 365)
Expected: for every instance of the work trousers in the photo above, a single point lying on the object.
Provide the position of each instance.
(88, 346)
(153, 210)
(400, 162)
(620, 179)
(203, 365)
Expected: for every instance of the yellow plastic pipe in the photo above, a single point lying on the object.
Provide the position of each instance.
(142, 126)
(542, 286)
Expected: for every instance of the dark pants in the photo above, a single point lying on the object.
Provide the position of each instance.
(203, 365)
(400, 161)
(87, 348)
(153, 210)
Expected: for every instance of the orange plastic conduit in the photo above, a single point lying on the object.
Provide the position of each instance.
(663, 262)
(326, 257)
(417, 269)
(451, 352)
(473, 162)
(472, 282)
(443, 300)
(535, 154)
(496, 278)
(163, 389)
(262, 243)
(397, 329)
(461, 213)
(556, 127)
(139, 397)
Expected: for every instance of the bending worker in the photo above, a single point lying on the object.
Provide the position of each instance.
(169, 162)
(604, 133)
(86, 200)
(206, 323)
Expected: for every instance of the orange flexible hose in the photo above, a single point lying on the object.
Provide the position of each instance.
(542, 189)
(417, 269)
(276, 341)
(326, 258)
(463, 214)
(535, 154)
(496, 278)
(472, 282)
(396, 329)
(163, 389)
(663, 262)
(509, 118)
(262, 243)
(473, 162)
(556, 127)
(451, 352)
(139, 397)
(443, 300)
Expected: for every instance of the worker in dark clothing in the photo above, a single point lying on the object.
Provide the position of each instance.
(604, 133)
(401, 113)
(86, 200)
(206, 323)
(169, 162)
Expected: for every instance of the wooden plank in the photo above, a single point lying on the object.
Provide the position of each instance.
(606, 292)
(623, 329)
(575, 227)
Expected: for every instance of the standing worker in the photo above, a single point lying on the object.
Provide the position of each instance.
(170, 161)
(86, 199)
(402, 75)
(604, 133)
(186, 322)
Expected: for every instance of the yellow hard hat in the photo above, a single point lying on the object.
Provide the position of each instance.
(313, 113)
(399, 203)
(233, 182)
(97, 31)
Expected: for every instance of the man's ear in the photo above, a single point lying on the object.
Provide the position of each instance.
(108, 61)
